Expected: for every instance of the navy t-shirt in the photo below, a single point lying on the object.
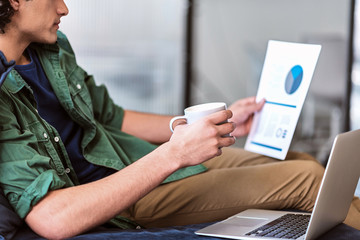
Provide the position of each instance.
(51, 110)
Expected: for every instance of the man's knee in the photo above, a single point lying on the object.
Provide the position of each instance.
(315, 168)
(310, 174)
(310, 171)
(293, 155)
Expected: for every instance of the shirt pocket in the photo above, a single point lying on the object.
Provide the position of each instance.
(80, 94)
(45, 146)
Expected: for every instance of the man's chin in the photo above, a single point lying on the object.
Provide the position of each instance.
(48, 41)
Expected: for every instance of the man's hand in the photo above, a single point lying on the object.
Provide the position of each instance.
(202, 140)
(243, 112)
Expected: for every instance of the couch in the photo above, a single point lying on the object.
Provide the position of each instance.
(13, 228)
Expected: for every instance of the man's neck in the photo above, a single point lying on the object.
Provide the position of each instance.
(14, 48)
(24, 59)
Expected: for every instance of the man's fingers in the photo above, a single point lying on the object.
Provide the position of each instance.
(226, 128)
(220, 117)
(226, 141)
(252, 108)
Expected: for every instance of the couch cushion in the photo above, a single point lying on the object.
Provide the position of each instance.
(340, 232)
(9, 220)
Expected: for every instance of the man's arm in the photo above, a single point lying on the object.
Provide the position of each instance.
(149, 127)
(155, 128)
(67, 212)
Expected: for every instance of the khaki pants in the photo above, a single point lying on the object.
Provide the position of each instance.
(237, 180)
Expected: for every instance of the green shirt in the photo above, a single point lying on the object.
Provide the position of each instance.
(33, 159)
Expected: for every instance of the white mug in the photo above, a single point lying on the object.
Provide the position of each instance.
(194, 113)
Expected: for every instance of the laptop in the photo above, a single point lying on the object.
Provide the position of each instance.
(331, 207)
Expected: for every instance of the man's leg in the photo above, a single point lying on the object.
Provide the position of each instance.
(353, 217)
(235, 181)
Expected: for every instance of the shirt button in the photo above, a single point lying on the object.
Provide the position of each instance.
(78, 86)
(59, 75)
(56, 139)
(67, 170)
(45, 135)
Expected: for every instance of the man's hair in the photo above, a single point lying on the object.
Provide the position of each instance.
(6, 12)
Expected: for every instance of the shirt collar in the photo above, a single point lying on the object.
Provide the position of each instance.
(14, 82)
(5, 67)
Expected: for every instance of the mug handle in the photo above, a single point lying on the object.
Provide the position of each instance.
(173, 120)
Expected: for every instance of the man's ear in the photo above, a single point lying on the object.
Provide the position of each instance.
(15, 4)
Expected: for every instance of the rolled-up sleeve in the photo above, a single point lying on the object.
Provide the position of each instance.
(27, 172)
(27, 190)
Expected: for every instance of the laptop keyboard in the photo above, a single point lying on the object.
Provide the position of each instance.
(289, 226)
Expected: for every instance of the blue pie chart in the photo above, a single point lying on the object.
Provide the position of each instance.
(293, 79)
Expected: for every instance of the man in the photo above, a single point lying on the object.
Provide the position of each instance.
(70, 159)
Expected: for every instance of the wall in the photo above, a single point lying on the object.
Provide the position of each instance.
(134, 47)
